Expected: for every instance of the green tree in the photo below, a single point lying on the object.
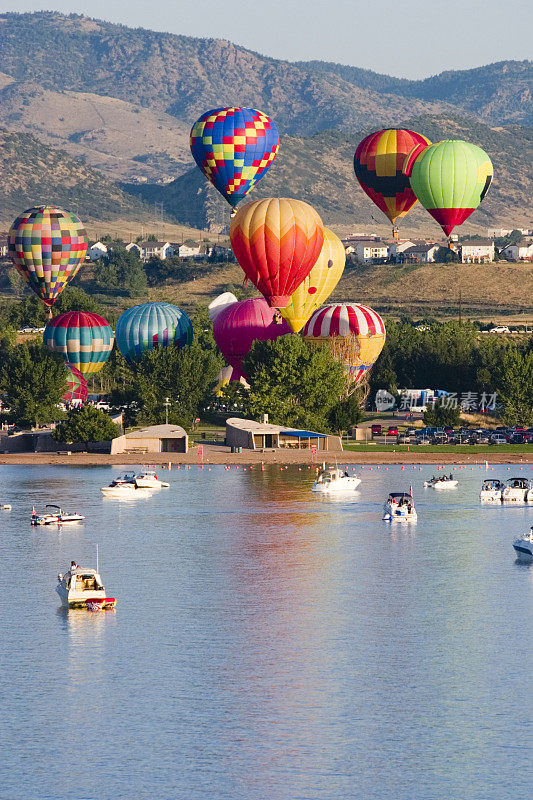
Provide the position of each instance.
(203, 329)
(294, 382)
(515, 387)
(33, 380)
(442, 416)
(121, 271)
(444, 255)
(184, 376)
(86, 424)
(346, 413)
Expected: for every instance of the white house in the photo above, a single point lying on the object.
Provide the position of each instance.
(147, 250)
(398, 247)
(420, 253)
(518, 252)
(96, 251)
(368, 250)
(477, 251)
(192, 251)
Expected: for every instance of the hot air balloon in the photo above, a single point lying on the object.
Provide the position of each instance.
(319, 284)
(355, 334)
(151, 325)
(240, 324)
(450, 179)
(234, 148)
(76, 385)
(277, 241)
(84, 339)
(48, 246)
(378, 163)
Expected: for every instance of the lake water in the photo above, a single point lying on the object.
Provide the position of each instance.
(266, 643)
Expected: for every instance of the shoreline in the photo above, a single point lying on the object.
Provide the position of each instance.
(219, 455)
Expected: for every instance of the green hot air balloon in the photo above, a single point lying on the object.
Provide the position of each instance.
(450, 179)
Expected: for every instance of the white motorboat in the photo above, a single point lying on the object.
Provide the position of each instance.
(82, 587)
(5, 507)
(444, 482)
(400, 507)
(120, 490)
(523, 547)
(148, 479)
(122, 486)
(334, 480)
(54, 517)
(491, 491)
(517, 490)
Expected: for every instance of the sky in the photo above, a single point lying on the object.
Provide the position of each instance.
(405, 38)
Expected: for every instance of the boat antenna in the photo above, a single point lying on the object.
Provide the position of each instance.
(97, 559)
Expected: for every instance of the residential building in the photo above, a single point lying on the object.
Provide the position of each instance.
(147, 250)
(397, 248)
(96, 251)
(368, 250)
(262, 435)
(420, 253)
(477, 251)
(192, 251)
(518, 252)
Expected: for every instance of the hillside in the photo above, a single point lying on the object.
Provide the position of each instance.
(500, 93)
(125, 140)
(184, 76)
(319, 170)
(32, 174)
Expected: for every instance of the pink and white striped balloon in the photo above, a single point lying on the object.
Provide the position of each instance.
(355, 333)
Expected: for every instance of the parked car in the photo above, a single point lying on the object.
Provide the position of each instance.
(517, 438)
(497, 438)
(376, 430)
(500, 329)
(393, 430)
(403, 438)
(423, 440)
(439, 438)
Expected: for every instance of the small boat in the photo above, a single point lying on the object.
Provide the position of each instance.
(5, 507)
(523, 547)
(82, 587)
(332, 479)
(149, 480)
(122, 486)
(443, 482)
(518, 490)
(491, 491)
(399, 507)
(58, 517)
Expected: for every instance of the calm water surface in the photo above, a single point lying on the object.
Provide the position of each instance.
(266, 643)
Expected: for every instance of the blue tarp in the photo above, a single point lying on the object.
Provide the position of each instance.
(304, 434)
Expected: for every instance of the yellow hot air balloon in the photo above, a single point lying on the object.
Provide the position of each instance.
(319, 284)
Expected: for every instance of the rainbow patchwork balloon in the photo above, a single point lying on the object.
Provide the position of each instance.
(76, 385)
(149, 326)
(355, 334)
(234, 147)
(450, 179)
(48, 246)
(84, 339)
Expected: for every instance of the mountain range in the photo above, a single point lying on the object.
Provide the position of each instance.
(121, 101)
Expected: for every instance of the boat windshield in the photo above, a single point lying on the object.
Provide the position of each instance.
(517, 483)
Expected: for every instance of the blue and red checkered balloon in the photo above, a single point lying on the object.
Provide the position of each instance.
(234, 148)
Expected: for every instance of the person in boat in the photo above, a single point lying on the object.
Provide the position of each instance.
(346, 473)
(73, 566)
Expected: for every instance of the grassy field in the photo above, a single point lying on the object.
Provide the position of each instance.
(442, 448)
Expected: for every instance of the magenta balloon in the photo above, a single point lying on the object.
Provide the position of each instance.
(240, 324)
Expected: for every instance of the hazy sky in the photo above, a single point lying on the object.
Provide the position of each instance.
(406, 38)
